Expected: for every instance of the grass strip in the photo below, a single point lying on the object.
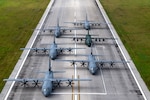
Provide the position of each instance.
(131, 20)
(17, 19)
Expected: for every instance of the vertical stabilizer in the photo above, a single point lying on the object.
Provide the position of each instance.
(57, 22)
(91, 49)
(54, 40)
(49, 65)
(88, 32)
(86, 17)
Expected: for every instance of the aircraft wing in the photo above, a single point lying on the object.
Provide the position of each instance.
(111, 62)
(76, 23)
(72, 61)
(70, 79)
(102, 39)
(34, 49)
(69, 49)
(96, 23)
(68, 28)
(24, 80)
(35, 80)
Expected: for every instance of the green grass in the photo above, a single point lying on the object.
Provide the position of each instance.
(131, 19)
(17, 19)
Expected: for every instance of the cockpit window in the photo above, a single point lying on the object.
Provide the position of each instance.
(45, 89)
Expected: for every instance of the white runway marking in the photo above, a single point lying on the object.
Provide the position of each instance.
(101, 74)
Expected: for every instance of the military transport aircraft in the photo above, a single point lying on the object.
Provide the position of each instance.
(87, 24)
(89, 40)
(49, 82)
(58, 30)
(92, 62)
(54, 51)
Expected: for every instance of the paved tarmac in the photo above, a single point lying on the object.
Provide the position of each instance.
(109, 83)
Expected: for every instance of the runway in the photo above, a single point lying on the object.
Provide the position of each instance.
(109, 83)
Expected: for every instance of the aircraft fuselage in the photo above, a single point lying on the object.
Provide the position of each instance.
(88, 40)
(57, 32)
(92, 64)
(53, 51)
(47, 85)
(87, 25)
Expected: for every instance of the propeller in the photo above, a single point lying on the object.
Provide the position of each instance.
(72, 63)
(44, 50)
(99, 40)
(116, 45)
(70, 83)
(61, 50)
(58, 83)
(36, 83)
(96, 39)
(24, 83)
(69, 50)
(81, 39)
(83, 64)
(64, 31)
(74, 39)
(103, 39)
(36, 50)
(102, 64)
(50, 31)
(112, 64)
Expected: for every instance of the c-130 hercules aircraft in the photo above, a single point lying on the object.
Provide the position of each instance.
(49, 82)
(92, 63)
(53, 51)
(57, 30)
(87, 24)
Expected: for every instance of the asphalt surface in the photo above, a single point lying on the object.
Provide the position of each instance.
(109, 83)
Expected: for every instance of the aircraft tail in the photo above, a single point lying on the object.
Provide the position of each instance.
(54, 40)
(88, 32)
(86, 17)
(91, 49)
(58, 22)
(49, 65)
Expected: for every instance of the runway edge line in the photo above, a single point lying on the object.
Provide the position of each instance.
(134, 71)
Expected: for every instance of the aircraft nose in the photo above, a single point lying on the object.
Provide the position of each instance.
(52, 57)
(93, 72)
(45, 94)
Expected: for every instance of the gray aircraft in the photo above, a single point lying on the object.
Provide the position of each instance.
(58, 30)
(87, 24)
(49, 82)
(53, 51)
(92, 62)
